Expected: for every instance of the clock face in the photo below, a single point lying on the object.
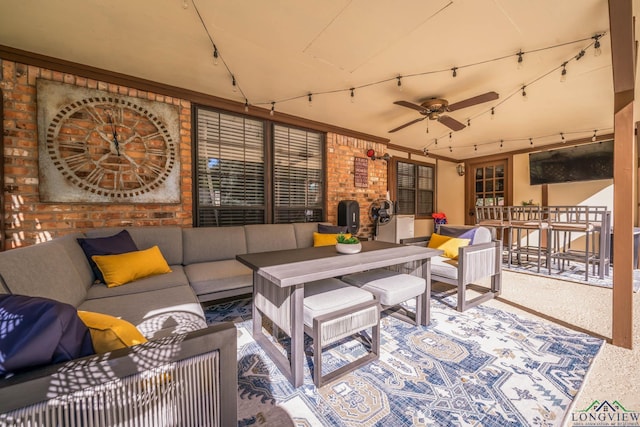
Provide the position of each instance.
(110, 147)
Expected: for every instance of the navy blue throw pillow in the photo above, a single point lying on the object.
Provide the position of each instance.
(112, 245)
(39, 331)
(332, 229)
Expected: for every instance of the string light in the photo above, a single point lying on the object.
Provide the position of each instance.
(520, 59)
(562, 138)
(531, 142)
(493, 112)
(450, 149)
(580, 55)
(353, 95)
(216, 55)
(563, 74)
(233, 83)
(501, 143)
(436, 141)
(425, 151)
(399, 83)
(475, 147)
(469, 122)
(273, 109)
(310, 99)
(450, 137)
(427, 126)
(246, 105)
(524, 93)
(455, 71)
(597, 51)
(593, 138)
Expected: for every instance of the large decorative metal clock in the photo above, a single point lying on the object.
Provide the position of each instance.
(102, 147)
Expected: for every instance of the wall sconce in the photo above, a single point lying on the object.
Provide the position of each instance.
(460, 169)
(372, 155)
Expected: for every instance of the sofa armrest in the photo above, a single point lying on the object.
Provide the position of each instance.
(190, 377)
(479, 261)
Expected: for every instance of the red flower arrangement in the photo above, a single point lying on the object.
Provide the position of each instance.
(439, 217)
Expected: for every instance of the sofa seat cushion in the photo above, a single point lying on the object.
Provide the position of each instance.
(389, 287)
(330, 295)
(155, 313)
(215, 276)
(176, 278)
(444, 267)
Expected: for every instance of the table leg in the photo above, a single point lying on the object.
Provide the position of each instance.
(425, 311)
(297, 335)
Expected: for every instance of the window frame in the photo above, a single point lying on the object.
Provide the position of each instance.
(394, 190)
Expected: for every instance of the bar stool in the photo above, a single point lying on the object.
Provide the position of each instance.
(529, 219)
(496, 217)
(391, 288)
(334, 310)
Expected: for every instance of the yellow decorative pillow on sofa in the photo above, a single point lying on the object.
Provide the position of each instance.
(124, 268)
(322, 239)
(109, 333)
(449, 245)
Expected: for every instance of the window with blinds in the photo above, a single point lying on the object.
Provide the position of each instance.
(297, 175)
(230, 169)
(415, 188)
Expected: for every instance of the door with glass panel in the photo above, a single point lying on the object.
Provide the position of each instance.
(489, 184)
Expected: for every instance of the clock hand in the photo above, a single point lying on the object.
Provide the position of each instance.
(114, 132)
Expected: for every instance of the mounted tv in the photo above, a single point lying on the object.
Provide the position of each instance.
(585, 162)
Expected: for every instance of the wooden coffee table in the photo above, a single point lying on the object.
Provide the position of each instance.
(278, 288)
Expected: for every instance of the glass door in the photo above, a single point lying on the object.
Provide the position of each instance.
(488, 182)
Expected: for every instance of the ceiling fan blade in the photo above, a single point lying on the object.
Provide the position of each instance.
(451, 123)
(408, 124)
(411, 105)
(485, 97)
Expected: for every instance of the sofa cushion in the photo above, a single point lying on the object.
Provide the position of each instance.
(269, 237)
(43, 270)
(479, 234)
(38, 332)
(444, 267)
(124, 268)
(326, 239)
(173, 279)
(304, 233)
(213, 243)
(167, 238)
(216, 276)
(119, 243)
(449, 245)
(109, 333)
(155, 313)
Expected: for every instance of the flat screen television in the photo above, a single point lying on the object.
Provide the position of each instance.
(585, 162)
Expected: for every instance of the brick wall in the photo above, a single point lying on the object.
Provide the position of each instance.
(29, 221)
(341, 150)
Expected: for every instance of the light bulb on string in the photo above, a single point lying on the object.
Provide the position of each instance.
(468, 122)
(563, 73)
(454, 72)
(246, 105)
(501, 143)
(475, 148)
(399, 83)
(273, 109)
(524, 93)
(425, 151)
(450, 137)
(233, 83)
(450, 149)
(427, 130)
(436, 141)
(216, 55)
(310, 98)
(353, 95)
(579, 55)
(493, 112)
(520, 60)
(593, 138)
(597, 50)
(531, 142)
(562, 138)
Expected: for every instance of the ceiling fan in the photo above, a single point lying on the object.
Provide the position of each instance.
(434, 109)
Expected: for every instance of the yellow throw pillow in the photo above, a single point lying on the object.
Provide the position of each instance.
(124, 268)
(109, 333)
(449, 245)
(321, 239)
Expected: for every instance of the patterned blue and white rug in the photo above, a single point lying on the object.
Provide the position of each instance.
(483, 367)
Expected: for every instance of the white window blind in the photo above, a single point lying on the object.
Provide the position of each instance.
(297, 175)
(231, 169)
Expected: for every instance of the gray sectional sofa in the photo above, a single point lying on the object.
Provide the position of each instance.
(165, 308)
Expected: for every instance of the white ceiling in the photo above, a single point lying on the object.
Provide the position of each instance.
(282, 49)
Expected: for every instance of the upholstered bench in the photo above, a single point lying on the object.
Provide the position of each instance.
(390, 288)
(334, 310)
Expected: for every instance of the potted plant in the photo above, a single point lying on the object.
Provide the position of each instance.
(348, 245)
